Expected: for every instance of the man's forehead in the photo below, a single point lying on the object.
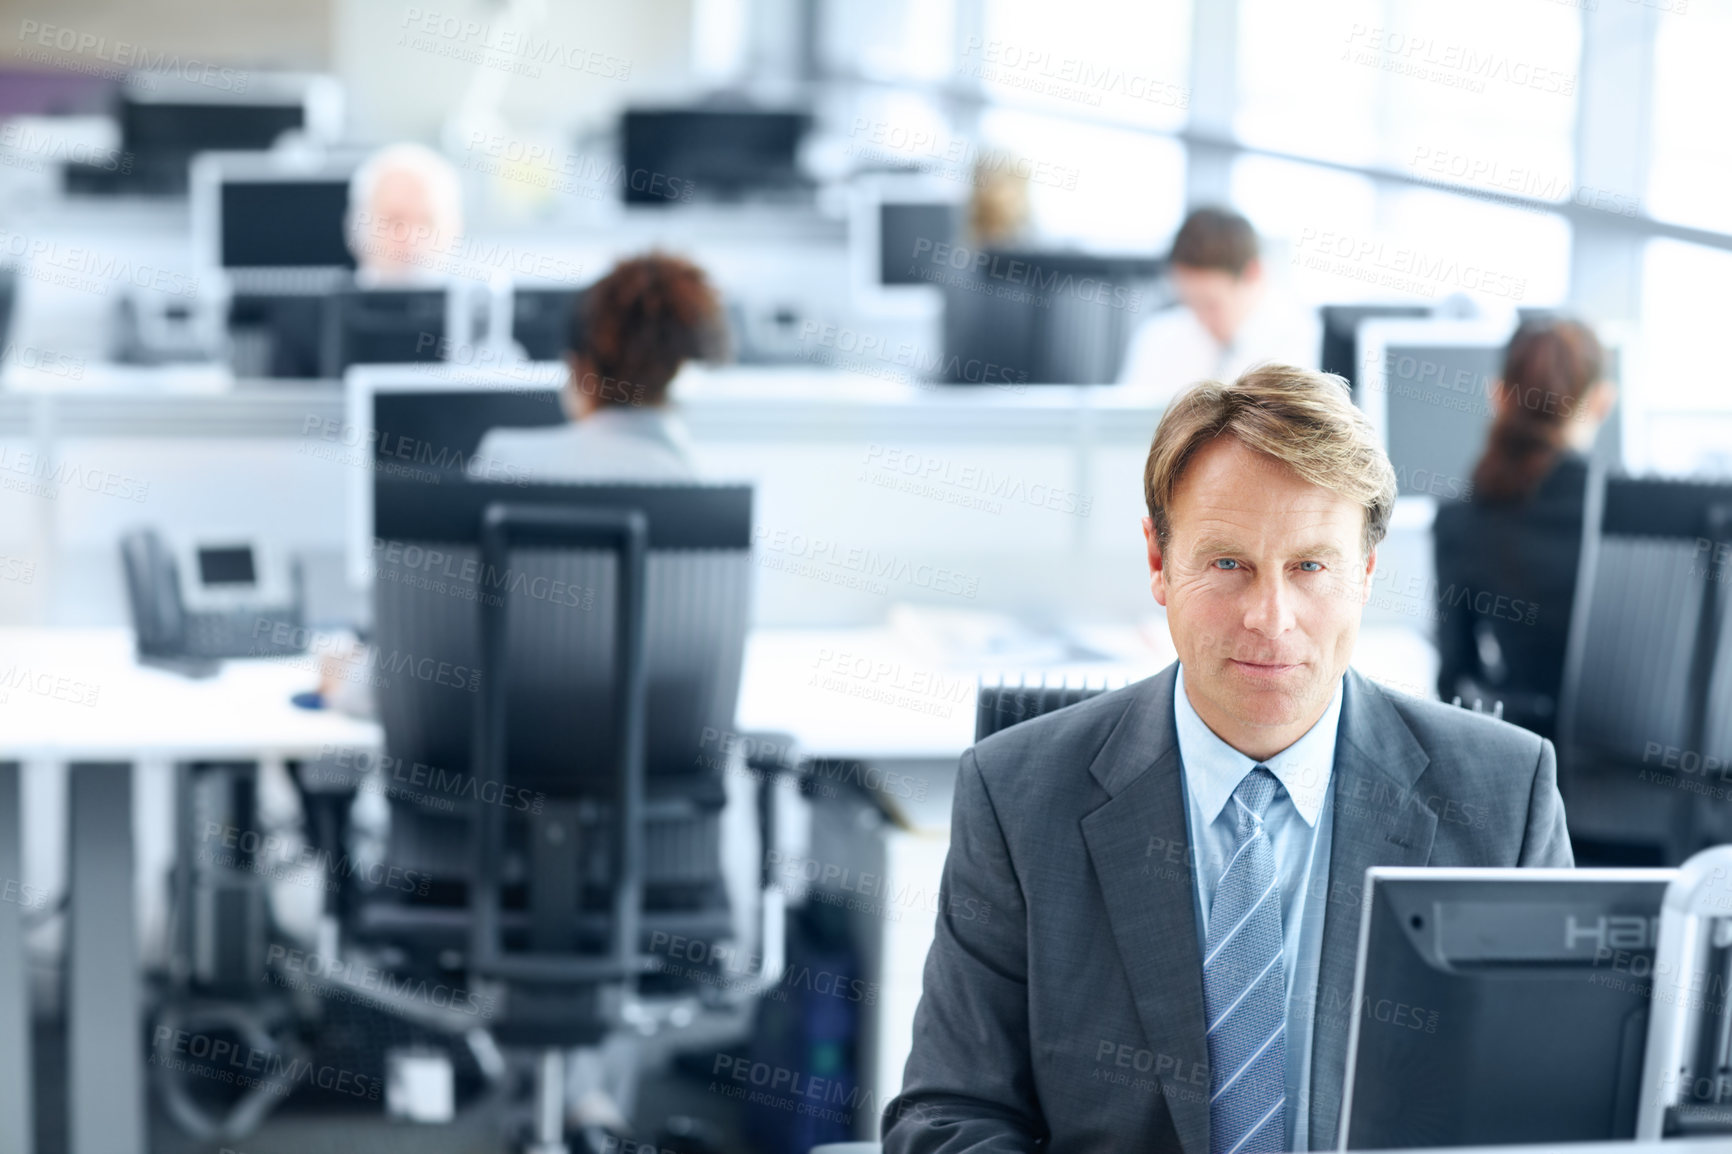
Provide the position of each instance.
(1300, 517)
(1228, 478)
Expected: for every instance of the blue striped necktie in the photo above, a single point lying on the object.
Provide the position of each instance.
(1245, 986)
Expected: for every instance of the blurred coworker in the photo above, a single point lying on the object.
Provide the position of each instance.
(405, 215)
(998, 209)
(1506, 562)
(1227, 320)
(631, 333)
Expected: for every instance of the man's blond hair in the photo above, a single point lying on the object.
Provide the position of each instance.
(1303, 419)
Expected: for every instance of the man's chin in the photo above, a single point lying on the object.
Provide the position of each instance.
(1264, 695)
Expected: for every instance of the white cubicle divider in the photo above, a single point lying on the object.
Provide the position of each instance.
(870, 492)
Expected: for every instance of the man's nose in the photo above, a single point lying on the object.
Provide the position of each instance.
(1269, 610)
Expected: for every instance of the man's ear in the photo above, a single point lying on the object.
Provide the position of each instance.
(1370, 571)
(1157, 563)
(1253, 272)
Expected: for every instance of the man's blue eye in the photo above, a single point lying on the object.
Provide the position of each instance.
(1319, 565)
(1227, 563)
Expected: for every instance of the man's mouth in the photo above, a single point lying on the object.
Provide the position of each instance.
(1265, 668)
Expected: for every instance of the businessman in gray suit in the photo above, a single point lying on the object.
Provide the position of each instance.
(1149, 913)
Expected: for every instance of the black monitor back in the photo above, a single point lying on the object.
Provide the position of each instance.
(710, 154)
(545, 321)
(383, 327)
(1508, 1008)
(1041, 317)
(1340, 352)
(445, 426)
(183, 128)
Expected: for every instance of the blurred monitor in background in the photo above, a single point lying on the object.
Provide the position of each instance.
(1340, 349)
(1227, 319)
(167, 118)
(1506, 560)
(405, 216)
(682, 155)
(637, 327)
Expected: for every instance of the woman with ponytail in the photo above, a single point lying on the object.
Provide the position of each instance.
(630, 334)
(1506, 560)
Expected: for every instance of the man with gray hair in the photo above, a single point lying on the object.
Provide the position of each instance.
(405, 216)
(1174, 870)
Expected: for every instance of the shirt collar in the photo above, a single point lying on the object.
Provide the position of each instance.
(654, 422)
(1213, 769)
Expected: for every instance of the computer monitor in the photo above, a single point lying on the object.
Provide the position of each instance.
(259, 211)
(1496, 1006)
(166, 119)
(1340, 352)
(1425, 385)
(892, 218)
(186, 127)
(285, 224)
(416, 421)
(545, 320)
(367, 326)
(901, 228)
(277, 334)
(677, 155)
(1049, 316)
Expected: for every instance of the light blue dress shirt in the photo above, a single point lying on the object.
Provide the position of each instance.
(1299, 823)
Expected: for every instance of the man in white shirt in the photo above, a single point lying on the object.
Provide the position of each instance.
(1227, 319)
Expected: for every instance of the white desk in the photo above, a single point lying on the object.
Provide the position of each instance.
(76, 698)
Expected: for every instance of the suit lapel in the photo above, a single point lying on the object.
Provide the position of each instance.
(1150, 903)
(1378, 819)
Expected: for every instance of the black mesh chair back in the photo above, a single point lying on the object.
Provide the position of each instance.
(1001, 706)
(1647, 685)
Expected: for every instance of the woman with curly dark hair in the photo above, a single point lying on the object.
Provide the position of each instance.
(630, 334)
(1506, 560)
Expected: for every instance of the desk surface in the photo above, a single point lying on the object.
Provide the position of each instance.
(78, 694)
(881, 693)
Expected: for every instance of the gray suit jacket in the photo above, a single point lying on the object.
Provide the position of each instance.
(1063, 999)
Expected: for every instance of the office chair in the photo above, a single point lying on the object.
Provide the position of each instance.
(1643, 705)
(1002, 706)
(501, 657)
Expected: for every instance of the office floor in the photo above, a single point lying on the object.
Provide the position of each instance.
(663, 1095)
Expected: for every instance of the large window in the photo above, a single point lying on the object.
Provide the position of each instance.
(1684, 298)
(1126, 60)
(1474, 92)
(888, 39)
(1339, 236)
(1690, 169)
(1295, 92)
